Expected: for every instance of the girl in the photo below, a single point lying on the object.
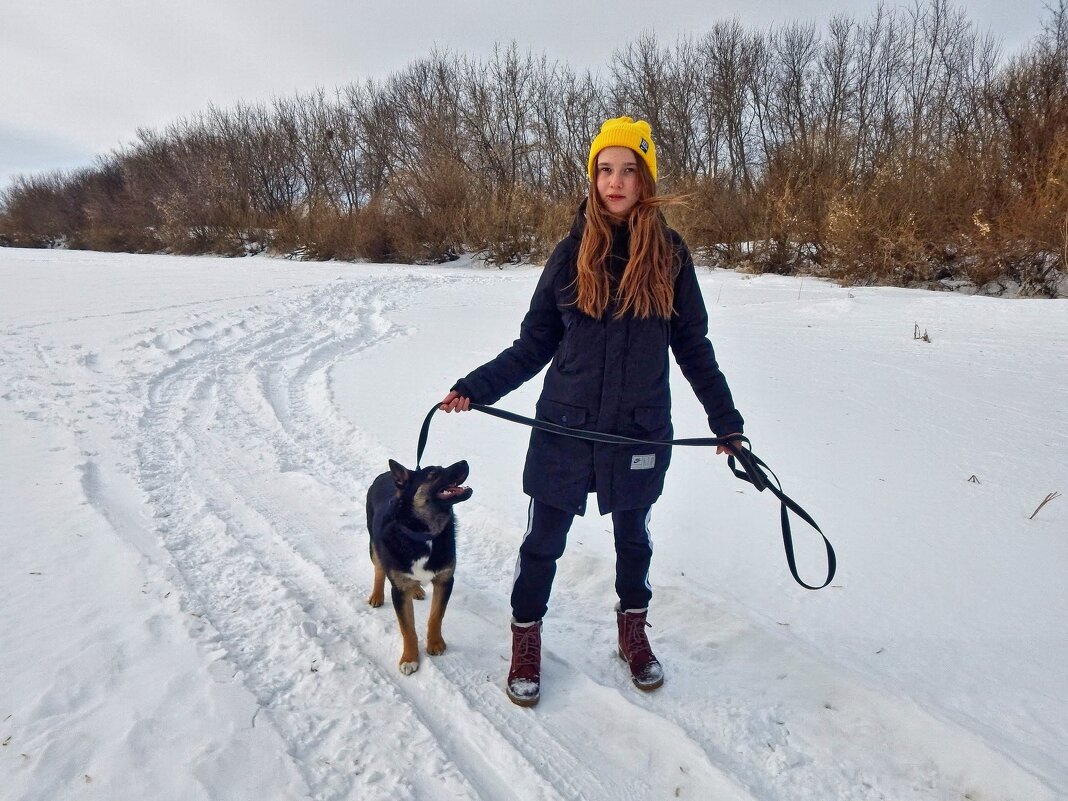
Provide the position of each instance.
(616, 294)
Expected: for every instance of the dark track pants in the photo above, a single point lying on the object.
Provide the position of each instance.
(544, 543)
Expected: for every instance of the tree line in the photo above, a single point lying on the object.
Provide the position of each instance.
(899, 148)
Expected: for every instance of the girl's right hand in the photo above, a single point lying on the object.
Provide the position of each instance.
(455, 402)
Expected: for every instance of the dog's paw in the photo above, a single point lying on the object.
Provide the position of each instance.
(435, 647)
(408, 668)
(419, 594)
(375, 600)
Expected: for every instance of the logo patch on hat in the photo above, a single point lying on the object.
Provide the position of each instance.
(645, 461)
(643, 146)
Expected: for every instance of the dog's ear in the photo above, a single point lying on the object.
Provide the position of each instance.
(400, 473)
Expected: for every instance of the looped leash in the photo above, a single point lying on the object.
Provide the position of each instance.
(754, 471)
(752, 466)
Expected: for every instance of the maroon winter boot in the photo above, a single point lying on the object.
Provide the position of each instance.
(645, 670)
(524, 676)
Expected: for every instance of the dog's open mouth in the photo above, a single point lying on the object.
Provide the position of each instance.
(453, 493)
(451, 488)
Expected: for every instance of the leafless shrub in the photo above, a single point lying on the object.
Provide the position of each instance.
(39, 210)
(320, 234)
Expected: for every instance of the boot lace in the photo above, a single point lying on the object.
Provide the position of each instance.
(526, 654)
(636, 643)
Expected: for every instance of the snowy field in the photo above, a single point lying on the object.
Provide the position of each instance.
(183, 557)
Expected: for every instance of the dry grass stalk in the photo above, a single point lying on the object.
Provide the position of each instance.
(1046, 500)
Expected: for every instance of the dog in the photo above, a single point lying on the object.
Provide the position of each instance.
(413, 541)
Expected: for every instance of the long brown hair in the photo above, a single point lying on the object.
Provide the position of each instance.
(647, 288)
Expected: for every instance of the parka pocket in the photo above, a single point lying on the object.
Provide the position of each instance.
(562, 414)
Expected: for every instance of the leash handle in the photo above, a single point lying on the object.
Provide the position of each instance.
(754, 471)
(755, 466)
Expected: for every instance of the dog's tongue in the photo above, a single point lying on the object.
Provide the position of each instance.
(449, 492)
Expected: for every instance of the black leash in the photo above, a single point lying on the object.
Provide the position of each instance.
(754, 470)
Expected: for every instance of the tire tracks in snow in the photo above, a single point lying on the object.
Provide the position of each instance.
(241, 577)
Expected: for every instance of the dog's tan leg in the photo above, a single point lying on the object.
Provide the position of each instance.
(378, 589)
(402, 604)
(435, 644)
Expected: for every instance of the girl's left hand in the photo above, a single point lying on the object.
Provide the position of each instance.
(729, 449)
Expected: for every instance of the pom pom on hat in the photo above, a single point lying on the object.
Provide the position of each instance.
(624, 132)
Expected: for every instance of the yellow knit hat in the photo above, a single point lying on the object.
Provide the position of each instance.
(625, 132)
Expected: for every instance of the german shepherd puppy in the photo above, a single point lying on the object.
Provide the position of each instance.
(413, 541)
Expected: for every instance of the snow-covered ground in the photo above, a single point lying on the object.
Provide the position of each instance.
(187, 443)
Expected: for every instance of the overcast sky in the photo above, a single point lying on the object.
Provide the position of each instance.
(78, 78)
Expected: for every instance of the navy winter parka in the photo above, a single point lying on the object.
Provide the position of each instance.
(608, 375)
